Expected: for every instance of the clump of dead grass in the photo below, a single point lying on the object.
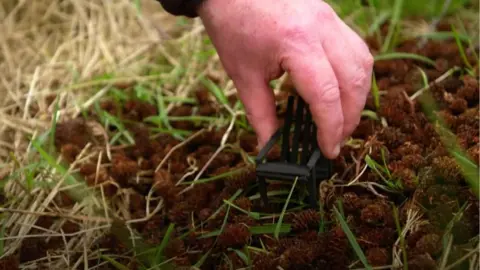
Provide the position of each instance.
(72, 52)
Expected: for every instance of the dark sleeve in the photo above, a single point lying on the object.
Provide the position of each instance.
(186, 8)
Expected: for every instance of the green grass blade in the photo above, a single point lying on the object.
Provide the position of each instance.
(402, 55)
(216, 91)
(379, 20)
(254, 215)
(444, 35)
(203, 259)
(2, 235)
(113, 262)
(351, 239)
(402, 239)
(263, 229)
(393, 27)
(375, 92)
(216, 177)
(54, 127)
(159, 254)
(460, 48)
(242, 256)
(370, 114)
(270, 229)
(280, 220)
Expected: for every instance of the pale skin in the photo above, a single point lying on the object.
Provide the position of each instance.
(329, 64)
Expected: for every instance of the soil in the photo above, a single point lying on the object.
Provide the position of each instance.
(430, 181)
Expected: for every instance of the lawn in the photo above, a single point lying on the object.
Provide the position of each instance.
(124, 146)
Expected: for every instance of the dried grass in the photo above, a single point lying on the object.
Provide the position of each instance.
(59, 48)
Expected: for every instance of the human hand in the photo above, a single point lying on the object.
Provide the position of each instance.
(329, 64)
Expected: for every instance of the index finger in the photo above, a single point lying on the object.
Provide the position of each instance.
(317, 85)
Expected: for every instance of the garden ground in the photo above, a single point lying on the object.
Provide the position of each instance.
(129, 150)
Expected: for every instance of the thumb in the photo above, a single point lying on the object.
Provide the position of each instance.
(317, 85)
(259, 102)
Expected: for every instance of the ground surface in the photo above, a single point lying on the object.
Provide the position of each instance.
(147, 188)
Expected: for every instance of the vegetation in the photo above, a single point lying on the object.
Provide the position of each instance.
(123, 149)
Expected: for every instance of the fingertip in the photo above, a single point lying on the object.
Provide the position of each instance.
(259, 103)
(330, 142)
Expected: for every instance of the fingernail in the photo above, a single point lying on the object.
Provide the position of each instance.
(336, 150)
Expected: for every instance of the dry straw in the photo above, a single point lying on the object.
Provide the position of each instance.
(57, 49)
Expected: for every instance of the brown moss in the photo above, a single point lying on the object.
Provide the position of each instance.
(393, 111)
(183, 110)
(75, 132)
(372, 214)
(447, 168)
(207, 110)
(298, 256)
(220, 160)
(70, 152)
(123, 167)
(244, 203)
(408, 178)
(375, 237)
(393, 137)
(470, 118)
(442, 214)
(376, 213)
(152, 230)
(458, 105)
(225, 194)
(33, 249)
(97, 178)
(164, 186)
(306, 220)
(240, 180)
(175, 247)
(138, 110)
(88, 168)
(336, 250)
(234, 236)
(248, 142)
(469, 90)
(464, 230)
(421, 262)
(275, 153)
(426, 177)
(429, 243)
(9, 263)
(414, 161)
(245, 220)
(205, 213)
(448, 119)
(378, 256)
(396, 69)
(203, 96)
(263, 262)
(62, 199)
(180, 213)
(199, 196)
(408, 148)
(467, 134)
(350, 202)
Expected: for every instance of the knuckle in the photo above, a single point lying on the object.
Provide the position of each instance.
(368, 61)
(296, 32)
(360, 78)
(326, 12)
(328, 95)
